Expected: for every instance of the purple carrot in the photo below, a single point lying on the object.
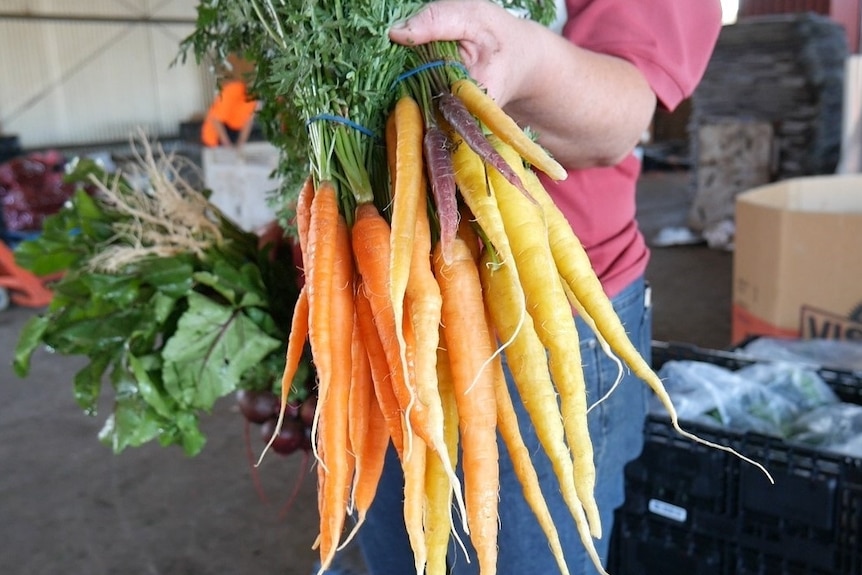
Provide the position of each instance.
(463, 122)
(441, 174)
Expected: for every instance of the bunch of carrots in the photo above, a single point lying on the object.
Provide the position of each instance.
(427, 260)
(410, 308)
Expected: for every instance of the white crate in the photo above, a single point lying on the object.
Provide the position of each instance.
(241, 184)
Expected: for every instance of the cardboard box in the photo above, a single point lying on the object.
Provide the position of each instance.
(797, 266)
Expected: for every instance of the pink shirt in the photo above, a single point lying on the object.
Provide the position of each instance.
(670, 42)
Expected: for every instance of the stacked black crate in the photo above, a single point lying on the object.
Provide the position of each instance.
(693, 510)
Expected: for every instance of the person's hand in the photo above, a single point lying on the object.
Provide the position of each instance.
(497, 47)
(589, 108)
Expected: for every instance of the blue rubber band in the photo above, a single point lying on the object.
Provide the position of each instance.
(341, 120)
(428, 66)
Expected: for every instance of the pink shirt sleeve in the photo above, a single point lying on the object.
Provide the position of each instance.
(670, 41)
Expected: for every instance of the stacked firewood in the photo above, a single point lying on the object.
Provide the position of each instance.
(786, 71)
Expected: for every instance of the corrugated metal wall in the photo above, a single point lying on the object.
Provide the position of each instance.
(94, 71)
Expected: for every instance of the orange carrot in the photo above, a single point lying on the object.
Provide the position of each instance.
(295, 346)
(332, 433)
(383, 391)
(467, 231)
(299, 321)
(303, 213)
(371, 250)
(369, 437)
(358, 406)
(468, 343)
(321, 248)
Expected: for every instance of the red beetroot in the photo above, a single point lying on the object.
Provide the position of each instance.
(290, 438)
(257, 406)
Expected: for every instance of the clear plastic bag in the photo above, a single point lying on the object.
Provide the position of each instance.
(836, 427)
(763, 398)
(801, 386)
(836, 354)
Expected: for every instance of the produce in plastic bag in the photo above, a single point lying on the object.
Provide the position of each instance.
(763, 398)
(819, 352)
(803, 387)
(837, 427)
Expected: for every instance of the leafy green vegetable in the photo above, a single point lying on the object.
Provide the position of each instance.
(325, 73)
(169, 330)
(211, 349)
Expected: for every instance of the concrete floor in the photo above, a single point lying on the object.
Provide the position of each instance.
(68, 506)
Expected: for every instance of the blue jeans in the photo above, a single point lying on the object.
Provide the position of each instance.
(616, 430)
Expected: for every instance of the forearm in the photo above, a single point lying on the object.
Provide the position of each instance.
(224, 138)
(245, 133)
(589, 109)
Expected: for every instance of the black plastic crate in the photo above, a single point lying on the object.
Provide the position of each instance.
(754, 561)
(643, 545)
(813, 513)
(808, 523)
(685, 484)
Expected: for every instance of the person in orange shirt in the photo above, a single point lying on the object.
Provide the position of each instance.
(230, 118)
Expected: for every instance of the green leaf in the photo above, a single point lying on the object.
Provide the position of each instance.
(29, 340)
(211, 349)
(190, 436)
(119, 291)
(88, 383)
(131, 424)
(162, 305)
(149, 390)
(220, 285)
(241, 286)
(98, 294)
(67, 237)
(94, 336)
(171, 276)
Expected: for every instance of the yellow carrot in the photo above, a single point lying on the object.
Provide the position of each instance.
(414, 464)
(438, 513)
(575, 268)
(472, 181)
(504, 127)
(507, 423)
(405, 195)
(555, 325)
(528, 364)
